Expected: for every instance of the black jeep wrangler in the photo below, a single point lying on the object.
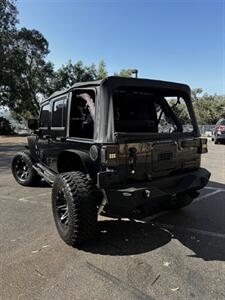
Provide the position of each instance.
(113, 147)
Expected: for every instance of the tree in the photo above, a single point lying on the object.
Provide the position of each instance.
(209, 108)
(125, 73)
(71, 73)
(180, 110)
(29, 75)
(8, 15)
(25, 75)
(102, 73)
(8, 21)
(195, 92)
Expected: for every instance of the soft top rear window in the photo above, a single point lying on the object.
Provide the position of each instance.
(141, 110)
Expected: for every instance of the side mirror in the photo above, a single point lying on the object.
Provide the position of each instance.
(33, 124)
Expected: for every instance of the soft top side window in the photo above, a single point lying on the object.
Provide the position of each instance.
(59, 112)
(45, 116)
(82, 114)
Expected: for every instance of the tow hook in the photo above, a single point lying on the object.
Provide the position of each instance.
(173, 199)
(147, 193)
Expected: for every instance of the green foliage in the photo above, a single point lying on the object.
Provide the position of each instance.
(29, 73)
(25, 75)
(181, 111)
(8, 20)
(195, 92)
(102, 73)
(125, 73)
(71, 73)
(209, 108)
(8, 15)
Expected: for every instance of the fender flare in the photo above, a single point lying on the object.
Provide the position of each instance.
(89, 165)
(32, 142)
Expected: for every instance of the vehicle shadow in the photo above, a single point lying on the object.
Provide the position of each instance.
(126, 238)
(199, 227)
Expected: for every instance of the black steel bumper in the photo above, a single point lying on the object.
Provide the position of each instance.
(136, 195)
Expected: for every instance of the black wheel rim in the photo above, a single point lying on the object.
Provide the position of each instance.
(62, 212)
(21, 169)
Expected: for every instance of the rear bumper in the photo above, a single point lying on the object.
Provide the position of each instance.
(136, 195)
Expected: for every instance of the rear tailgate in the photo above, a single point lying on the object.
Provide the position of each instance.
(155, 159)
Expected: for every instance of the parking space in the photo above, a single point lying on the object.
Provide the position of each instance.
(170, 255)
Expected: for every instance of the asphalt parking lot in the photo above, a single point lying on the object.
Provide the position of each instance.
(171, 255)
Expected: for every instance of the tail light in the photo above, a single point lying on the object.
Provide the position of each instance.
(203, 146)
(109, 155)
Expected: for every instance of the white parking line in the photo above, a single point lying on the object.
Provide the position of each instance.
(213, 188)
(208, 195)
(26, 199)
(192, 230)
(150, 218)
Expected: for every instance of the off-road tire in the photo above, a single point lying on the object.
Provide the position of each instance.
(79, 193)
(24, 160)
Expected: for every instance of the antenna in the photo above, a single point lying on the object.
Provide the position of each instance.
(135, 71)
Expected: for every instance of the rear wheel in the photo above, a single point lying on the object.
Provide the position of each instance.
(74, 207)
(22, 169)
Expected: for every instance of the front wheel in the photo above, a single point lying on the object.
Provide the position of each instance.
(22, 169)
(74, 207)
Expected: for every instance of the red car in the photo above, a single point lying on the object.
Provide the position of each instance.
(219, 132)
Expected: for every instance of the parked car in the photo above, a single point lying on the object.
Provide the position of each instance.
(113, 147)
(219, 132)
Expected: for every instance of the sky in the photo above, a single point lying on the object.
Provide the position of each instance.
(174, 40)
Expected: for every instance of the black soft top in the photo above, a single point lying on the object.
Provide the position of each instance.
(104, 131)
(115, 81)
(74, 86)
